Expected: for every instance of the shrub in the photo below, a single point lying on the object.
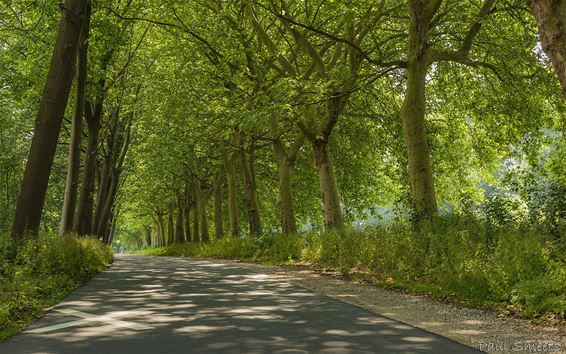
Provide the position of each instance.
(40, 272)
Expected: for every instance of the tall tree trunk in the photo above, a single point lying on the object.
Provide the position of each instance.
(170, 228)
(179, 226)
(286, 207)
(319, 138)
(550, 16)
(83, 218)
(104, 217)
(232, 198)
(414, 129)
(107, 176)
(200, 216)
(154, 231)
(48, 121)
(72, 181)
(328, 187)
(147, 237)
(218, 212)
(161, 231)
(196, 214)
(102, 195)
(204, 234)
(287, 158)
(187, 219)
(111, 229)
(250, 190)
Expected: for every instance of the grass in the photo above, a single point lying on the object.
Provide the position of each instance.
(518, 269)
(40, 272)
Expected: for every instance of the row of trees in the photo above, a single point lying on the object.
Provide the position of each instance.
(251, 104)
(94, 52)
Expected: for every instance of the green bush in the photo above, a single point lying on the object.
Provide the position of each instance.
(543, 294)
(40, 272)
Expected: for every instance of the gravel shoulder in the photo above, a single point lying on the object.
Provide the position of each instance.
(482, 329)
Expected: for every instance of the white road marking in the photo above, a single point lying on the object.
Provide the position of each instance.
(87, 318)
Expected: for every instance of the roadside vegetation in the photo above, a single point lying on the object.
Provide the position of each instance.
(40, 272)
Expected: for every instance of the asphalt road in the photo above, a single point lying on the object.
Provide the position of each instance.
(170, 305)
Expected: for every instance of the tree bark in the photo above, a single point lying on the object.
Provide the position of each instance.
(108, 173)
(250, 190)
(179, 226)
(111, 229)
(161, 231)
(187, 219)
(204, 234)
(117, 148)
(287, 159)
(83, 217)
(154, 231)
(232, 198)
(218, 212)
(328, 188)
(48, 121)
(200, 216)
(72, 181)
(413, 116)
(106, 211)
(196, 213)
(170, 228)
(550, 16)
(286, 206)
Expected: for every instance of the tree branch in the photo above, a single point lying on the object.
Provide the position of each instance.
(463, 52)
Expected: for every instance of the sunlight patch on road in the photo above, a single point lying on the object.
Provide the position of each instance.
(110, 319)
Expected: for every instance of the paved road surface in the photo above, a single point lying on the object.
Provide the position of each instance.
(170, 305)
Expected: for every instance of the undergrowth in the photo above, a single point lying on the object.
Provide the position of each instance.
(472, 262)
(40, 272)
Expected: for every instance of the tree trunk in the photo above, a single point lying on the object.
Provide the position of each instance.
(48, 121)
(204, 234)
(111, 229)
(72, 181)
(147, 237)
(170, 228)
(154, 231)
(232, 198)
(200, 218)
(104, 218)
(161, 231)
(328, 188)
(287, 158)
(196, 216)
(187, 219)
(550, 16)
(250, 191)
(218, 212)
(286, 207)
(108, 172)
(83, 218)
(179, 226)
(414, 129)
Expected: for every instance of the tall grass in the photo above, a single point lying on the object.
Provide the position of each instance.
(40, 272)
(464, 259)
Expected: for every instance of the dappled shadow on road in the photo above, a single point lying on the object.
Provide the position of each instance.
(203, 307)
